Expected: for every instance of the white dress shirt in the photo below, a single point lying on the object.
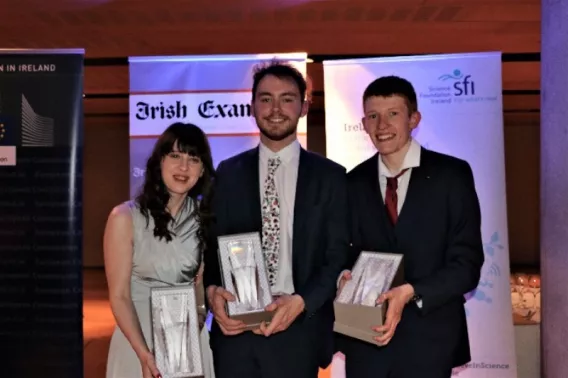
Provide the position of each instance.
(411, 160)
(286, 177)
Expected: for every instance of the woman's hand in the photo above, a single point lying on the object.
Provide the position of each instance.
(149, 368)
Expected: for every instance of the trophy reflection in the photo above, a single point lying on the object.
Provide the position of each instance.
(244, 274)
(371, 282)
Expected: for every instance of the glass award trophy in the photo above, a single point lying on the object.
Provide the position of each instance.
(175, 331)
(244, 275)
(356, 308)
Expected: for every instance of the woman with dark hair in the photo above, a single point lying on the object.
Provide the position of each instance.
(156, 240)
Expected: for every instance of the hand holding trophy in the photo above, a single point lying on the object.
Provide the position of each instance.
(357, 312)
(244, 274)
(175, 331)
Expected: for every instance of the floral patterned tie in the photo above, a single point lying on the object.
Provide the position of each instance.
(271, 221)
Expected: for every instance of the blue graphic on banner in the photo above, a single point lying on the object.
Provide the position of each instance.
(490, 272)
(456, 75)
(463, 84)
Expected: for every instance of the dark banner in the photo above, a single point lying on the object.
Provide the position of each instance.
(41, 209)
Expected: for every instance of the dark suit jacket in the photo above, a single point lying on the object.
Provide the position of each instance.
(439, 233)
(320, 231)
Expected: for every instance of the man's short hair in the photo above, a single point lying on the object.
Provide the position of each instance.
(387, 86)
(281, 70)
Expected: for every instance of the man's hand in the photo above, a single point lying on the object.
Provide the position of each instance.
(217, 297)
(397, 298)
(345, 276)
(287, 308)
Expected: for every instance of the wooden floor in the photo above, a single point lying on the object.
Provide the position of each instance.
(98, 324)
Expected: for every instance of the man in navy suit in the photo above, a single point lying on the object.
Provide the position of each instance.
(422, 204)
(297, 201)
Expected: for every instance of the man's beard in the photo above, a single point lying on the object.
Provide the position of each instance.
(277, 135)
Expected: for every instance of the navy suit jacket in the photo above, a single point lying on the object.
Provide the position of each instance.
(439, 233)
(320, 244)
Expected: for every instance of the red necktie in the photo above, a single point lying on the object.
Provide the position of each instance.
(391, 198)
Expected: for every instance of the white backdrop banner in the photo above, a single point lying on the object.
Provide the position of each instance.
(212, 92)
(460, 98)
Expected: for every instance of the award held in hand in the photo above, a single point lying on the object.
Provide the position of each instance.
(244, 275)
(175, 331)
(356, 310)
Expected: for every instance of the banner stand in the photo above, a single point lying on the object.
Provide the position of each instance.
(41, 213)
(460, 99)
(210, 91)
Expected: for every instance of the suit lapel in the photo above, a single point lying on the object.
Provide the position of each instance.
(376, 201)
(303, 198)
(419, 179)
(251, 191)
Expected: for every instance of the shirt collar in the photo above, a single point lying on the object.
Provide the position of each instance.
(411, 160)
(286, 154)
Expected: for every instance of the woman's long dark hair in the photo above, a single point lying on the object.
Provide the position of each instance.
(154, 196)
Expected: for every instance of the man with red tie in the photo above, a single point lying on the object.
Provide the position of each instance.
(410, 200)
